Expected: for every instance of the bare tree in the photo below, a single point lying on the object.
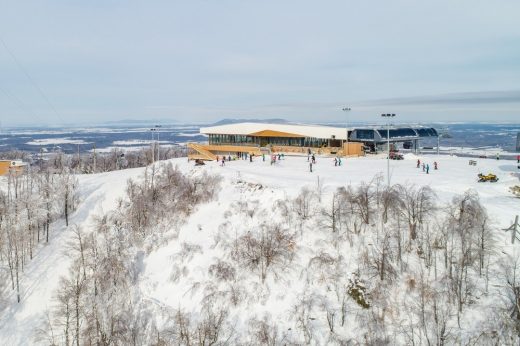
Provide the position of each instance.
(265, 249)
(418, 203)
(304, 204)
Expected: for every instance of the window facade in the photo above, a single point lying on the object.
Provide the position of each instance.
(396, 133)
(427, 132)
(223, 139)
(364, 134)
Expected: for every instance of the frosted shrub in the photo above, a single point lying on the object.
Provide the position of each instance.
(266, 249)
(222, 271)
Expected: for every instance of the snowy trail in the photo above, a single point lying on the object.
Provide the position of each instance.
(41, 276)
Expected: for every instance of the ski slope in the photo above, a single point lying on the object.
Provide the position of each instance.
(18, 321)
(242, 179)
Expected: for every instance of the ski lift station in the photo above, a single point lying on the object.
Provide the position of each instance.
(259, 138)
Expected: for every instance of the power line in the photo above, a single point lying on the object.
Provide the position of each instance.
(15, 100)
(35, 85)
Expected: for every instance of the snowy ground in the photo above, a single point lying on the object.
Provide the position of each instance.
(137, 142)
(100, 191)
(132, 148)
(286, 178)
(454, 176)
(51, 141)
(481, 151)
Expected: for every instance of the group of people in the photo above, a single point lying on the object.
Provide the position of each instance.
(311, 158)
(277, 157)
(223, 160)
(246, 156)
(426, 167)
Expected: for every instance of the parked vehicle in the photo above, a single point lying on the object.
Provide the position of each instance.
(488, 177)
(395, 156)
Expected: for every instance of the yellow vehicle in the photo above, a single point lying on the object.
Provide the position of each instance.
(489, 177)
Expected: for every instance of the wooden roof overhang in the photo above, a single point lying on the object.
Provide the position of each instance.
(271, 133)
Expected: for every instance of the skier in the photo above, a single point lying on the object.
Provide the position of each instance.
(498, 156)
(335, 161)
(418, 163)
(263, 157)
(310, 166)
(313, 158)
(427, 169)
(435, 165)
(251, 158)
(339, 161)
(229, 158)
(423, 167)
(223, 161)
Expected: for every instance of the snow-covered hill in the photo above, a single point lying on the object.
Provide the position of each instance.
(18, 322)
(296, 298)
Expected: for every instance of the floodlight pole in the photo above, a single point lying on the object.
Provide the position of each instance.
(388, 116)
(94, 158)
(157, 127)
(346, 110)
(152, 146)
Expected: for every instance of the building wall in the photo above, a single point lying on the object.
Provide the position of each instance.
(353, 149)
(4, 167)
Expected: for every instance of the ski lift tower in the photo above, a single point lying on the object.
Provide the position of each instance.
(157, 129)
(388, 117)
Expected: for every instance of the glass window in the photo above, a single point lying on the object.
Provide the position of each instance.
(397, 133)
(427, 132)
(364, 134)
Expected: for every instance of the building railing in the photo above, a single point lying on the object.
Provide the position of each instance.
(242, 144)
(319, 151)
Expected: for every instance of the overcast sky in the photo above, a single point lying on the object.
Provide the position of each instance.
(92, 61)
